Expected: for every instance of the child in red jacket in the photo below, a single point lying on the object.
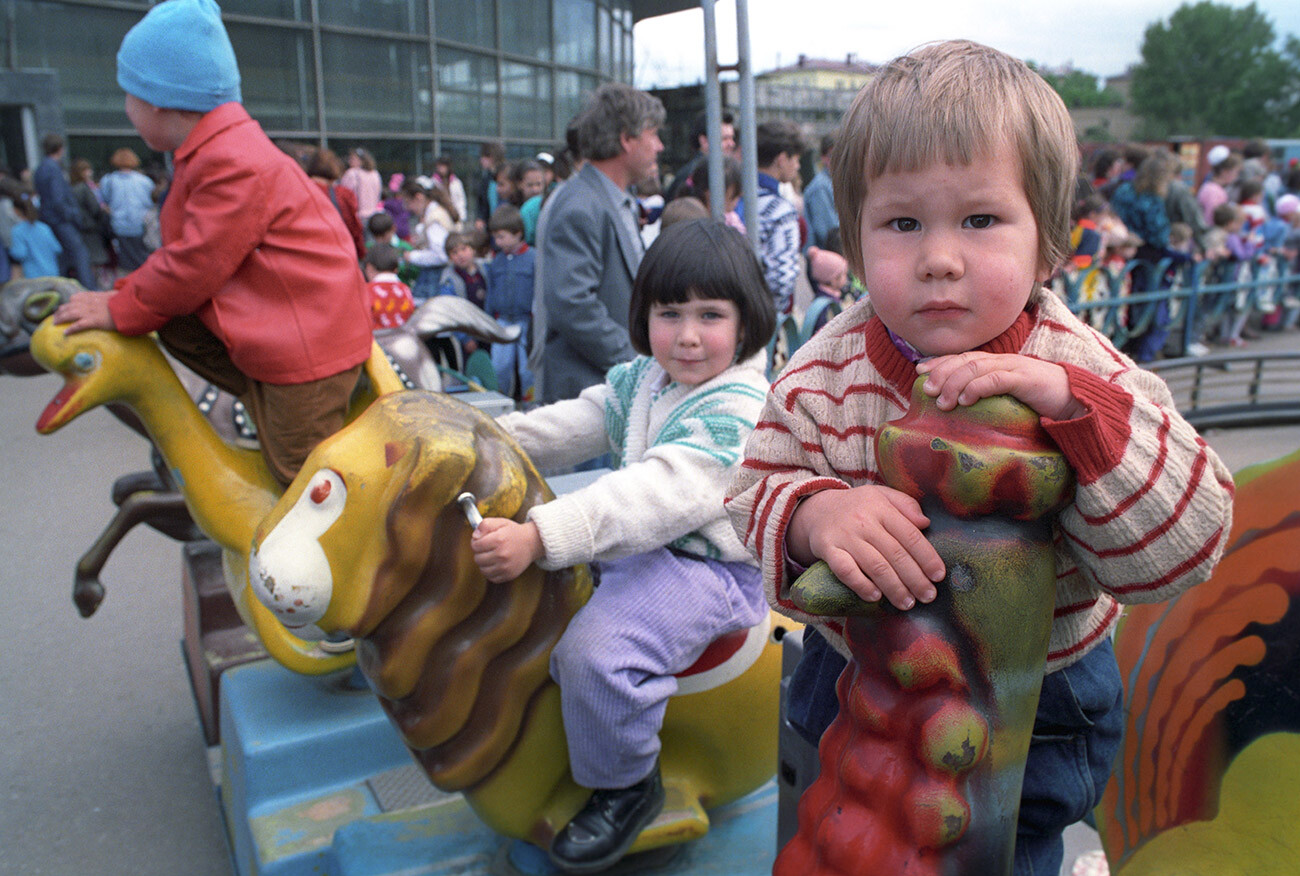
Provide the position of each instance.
(256, 286)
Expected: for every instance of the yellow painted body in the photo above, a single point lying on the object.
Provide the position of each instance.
(461, 665)
(226, 489)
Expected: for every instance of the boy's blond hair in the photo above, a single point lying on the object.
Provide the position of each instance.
(953, 102)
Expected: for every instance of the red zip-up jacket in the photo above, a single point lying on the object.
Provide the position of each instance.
(256, 250)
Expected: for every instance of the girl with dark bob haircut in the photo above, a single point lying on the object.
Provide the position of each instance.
(703, 259)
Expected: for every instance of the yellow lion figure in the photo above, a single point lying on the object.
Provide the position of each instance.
(369, 541)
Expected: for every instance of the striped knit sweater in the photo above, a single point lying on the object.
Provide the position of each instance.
(675, 449)
(1152, 507)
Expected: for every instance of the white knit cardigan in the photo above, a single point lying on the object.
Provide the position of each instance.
(675, 447)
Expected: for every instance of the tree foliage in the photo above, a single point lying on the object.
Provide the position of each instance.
(1080, 89)
(1215, 69)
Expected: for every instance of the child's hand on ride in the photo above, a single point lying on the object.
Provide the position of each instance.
(503, 548)
(966, 378)
(85, 310)
(870, 536)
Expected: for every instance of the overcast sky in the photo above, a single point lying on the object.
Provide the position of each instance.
(1100, 36)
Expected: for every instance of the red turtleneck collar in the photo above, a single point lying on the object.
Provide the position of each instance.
(895, 368)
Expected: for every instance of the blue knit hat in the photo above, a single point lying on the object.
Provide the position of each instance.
(179, 57)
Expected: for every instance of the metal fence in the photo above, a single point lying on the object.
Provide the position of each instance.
(1197, 299)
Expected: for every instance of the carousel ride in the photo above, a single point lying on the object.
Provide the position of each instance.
(458, 667)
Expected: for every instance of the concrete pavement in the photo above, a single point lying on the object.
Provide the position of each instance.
(102, 761)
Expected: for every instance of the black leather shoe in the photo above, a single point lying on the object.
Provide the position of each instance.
(604, 829)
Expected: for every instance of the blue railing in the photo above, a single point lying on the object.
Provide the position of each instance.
(1201, 297)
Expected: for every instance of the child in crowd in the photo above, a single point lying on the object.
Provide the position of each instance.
(510, 300)
(673, 575)
(255, 286)
(432, 222)
(32, 242)
(1087, 249)
(682, 209)
(1227, 222)
(462, 277)
(1182, 249)
(1251, 199)
(506, 191)
(1181, 240)
(383, 231)
(529, 179)
(1086, 236)
(465, 279)
(1288, 248)
(828, 272)
(1278, 229)
(954, 189)
(395, 206)
(1230, 253)
(445, 177)
(390, 299)
(730, 190)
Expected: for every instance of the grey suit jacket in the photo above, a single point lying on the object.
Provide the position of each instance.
(585, 266)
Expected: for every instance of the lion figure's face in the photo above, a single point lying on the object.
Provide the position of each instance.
(315, 559)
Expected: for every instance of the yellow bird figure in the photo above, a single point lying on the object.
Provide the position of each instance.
(226, 489)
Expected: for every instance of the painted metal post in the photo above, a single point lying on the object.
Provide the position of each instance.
(713, 111)
(748, 137)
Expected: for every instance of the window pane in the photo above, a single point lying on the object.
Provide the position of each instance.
(575, 32)
(467, 94)
(292, 10)
(527, 94)
(275, 67)
(401, 16)
(81, 43)
(616, 46)
(526, 28)
(374, 84)
(466, 22)
(568, 100)
(605, 35)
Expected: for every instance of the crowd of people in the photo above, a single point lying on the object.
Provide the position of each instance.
(55, 223)
(643, 351)
(1136, 205)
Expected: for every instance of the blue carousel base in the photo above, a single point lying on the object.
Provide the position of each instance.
(315, 781)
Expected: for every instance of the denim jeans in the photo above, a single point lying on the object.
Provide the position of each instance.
(510, 360)
(1075, 739)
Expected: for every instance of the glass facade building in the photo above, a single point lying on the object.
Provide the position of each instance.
(407, 79)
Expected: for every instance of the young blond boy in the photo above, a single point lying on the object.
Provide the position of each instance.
(256, 285)
(953, 184)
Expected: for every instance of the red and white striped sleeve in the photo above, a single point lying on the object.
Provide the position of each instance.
(1153, 502)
